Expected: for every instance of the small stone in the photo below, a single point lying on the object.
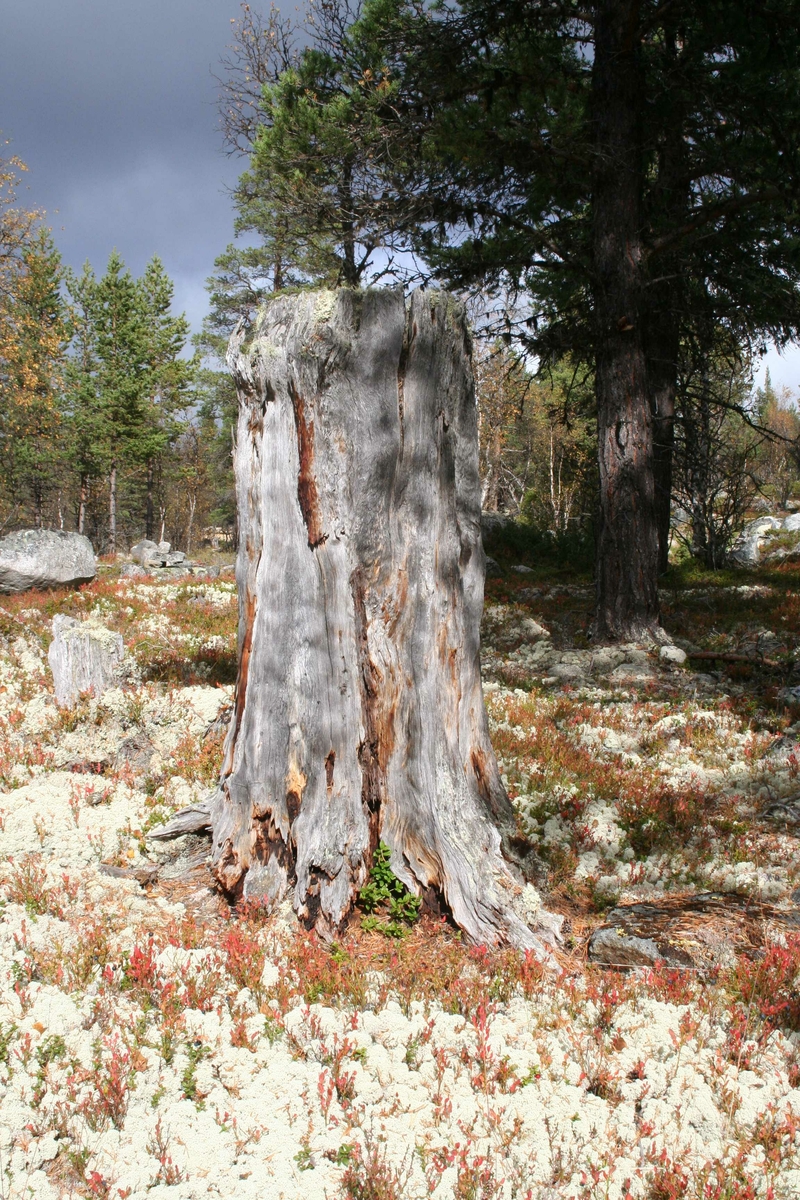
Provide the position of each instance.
(521, 569)
(616, 948)
(673, 655)
(532, 629)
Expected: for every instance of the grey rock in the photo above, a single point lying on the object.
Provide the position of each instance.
(45, 558)
(632, 672)
(155, 555)
(135, 752)
(566, 671)
(672, 656)
(616, 948)
(494, 522)
(605, 658)
(746, 551)
(144, 551)
(133, 571)
(532, 629)
(521, 569)
(493, 569)
(761, 526)
(84, 657)
(791, 524)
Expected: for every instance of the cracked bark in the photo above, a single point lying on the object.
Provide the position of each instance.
(358, 713)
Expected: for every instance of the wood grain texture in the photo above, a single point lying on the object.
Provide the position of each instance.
(358, 713)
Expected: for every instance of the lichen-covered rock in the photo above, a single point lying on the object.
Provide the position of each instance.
(156, 554)
(45, 558)
(84, 657)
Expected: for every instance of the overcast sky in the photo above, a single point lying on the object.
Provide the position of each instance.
(111, 103)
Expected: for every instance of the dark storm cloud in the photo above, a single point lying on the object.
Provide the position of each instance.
(112, 106)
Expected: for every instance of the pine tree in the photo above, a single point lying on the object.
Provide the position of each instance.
(127, 382)
(629, 169)
(34, 338)
(85, 424)
(169, 377)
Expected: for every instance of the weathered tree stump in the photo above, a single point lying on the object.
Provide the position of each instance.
(358, 713)
(85, 658)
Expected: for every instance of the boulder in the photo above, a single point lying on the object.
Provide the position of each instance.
(84, 657)
(791, 524)
(493, 569)
(746, 551)
(153, 555)
(45, 558)
(493, 523)
(143, 551)
(762, 525)
(521, 569)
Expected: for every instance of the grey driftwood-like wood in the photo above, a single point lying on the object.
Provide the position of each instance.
(84, 658)
(358, 712)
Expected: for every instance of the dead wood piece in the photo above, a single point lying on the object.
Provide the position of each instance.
(693, 932)
(220, 723)
(196, 818)
(143, 875)
(358, 713)
(720, 656)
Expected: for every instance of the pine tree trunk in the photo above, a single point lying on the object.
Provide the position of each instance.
(112, 510)
(150, 510)
(358, 713)
(84, 493)
(627, 545)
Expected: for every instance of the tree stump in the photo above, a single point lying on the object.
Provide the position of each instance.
(85, 658)
(358, 710)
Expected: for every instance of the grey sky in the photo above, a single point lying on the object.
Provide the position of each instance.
(111, 103)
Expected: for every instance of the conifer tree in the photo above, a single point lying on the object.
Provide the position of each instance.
(168, 379)
(629, 168)
(127, 381)
(35, 337)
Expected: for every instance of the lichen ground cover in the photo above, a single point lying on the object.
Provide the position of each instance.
(154, 1042)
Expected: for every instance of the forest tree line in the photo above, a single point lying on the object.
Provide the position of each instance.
(107, 421)
(612, 189)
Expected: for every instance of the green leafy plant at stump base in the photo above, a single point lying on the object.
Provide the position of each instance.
(386, 892)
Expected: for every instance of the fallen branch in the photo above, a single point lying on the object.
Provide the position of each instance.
(721, 656)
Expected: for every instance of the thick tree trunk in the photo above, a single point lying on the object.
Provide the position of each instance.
(627, 547)
(358, 713)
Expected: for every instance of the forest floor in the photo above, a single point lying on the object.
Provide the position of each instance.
(153, 1042)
